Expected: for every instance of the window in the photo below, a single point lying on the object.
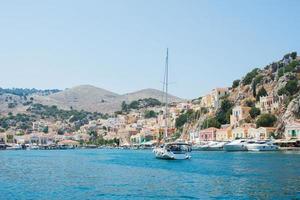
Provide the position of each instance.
(293, 133)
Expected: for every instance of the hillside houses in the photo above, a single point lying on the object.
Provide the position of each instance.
(214, 98)
(239, 114)
(270, 104)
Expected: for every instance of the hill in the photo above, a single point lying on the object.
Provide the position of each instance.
(90, 98)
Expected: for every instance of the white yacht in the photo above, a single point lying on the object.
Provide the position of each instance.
(218, 146)
(236, 145)
(14, 147)
(261, 146)
(173, 151)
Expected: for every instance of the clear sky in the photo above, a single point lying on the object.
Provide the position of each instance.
(121, 45)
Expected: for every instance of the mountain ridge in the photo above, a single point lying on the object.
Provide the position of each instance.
(95, 99)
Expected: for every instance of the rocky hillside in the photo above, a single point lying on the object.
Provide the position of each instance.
(279, 78)
(93, 99)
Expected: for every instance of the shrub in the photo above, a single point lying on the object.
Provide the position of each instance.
(236, 83)
(211, 122)
(294, 55)
(292, 87)
(249, 77)
(249, 103)
(254, 112)
(150, 114)
(223, 114)
(261, 93)
(266, 120)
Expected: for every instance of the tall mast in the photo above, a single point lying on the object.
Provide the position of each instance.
(166, 93)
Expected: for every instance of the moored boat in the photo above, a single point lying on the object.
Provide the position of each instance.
(261, 146)
(173, 151)
(236, 145)
(14, 147)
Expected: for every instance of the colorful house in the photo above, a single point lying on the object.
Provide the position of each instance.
(292, 131)
(208, 134)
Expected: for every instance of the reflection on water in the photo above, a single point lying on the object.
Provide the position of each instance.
(125, 174)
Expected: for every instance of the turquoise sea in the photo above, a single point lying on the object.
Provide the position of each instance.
(132, 174)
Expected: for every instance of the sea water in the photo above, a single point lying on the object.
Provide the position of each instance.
(136, 174)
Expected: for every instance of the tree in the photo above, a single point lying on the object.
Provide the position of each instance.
(150, 114)
(249, 103)
(124, 106)
(292, 87)
(266, 120)
(223, 114)
(261, 93)
(134, 105)
(236, 83)
(254, 112)
(211, 122)
(249, 77)
(294, 55)
(282, 91)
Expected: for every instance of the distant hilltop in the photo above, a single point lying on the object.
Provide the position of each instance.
(82, 97)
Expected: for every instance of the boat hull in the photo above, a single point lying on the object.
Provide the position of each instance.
(235, 148)
(262, 148)
(168, 155)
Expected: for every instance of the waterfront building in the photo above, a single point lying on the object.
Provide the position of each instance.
(224, 133)
(239, 114)
(242, 131)
(261, 133)
(208, 134)
(292, 131)
(194, 137)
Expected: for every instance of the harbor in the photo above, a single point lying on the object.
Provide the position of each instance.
(135, 174)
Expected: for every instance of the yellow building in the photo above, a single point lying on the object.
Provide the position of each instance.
(224, 134)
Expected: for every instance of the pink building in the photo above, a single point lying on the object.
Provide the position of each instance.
(208, 134)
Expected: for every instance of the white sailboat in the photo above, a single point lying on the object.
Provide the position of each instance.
(174, 150)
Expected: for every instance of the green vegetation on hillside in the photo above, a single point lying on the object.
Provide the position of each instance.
(150, 114)
(26, 91)
(71, 115)
(223, 114)
(141, 103)
(236, 83)
(266, 120)
(211, 122)
(261, 93)
(250, 76)
(290, 88)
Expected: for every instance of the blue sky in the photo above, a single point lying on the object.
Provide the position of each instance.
(121, 45)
